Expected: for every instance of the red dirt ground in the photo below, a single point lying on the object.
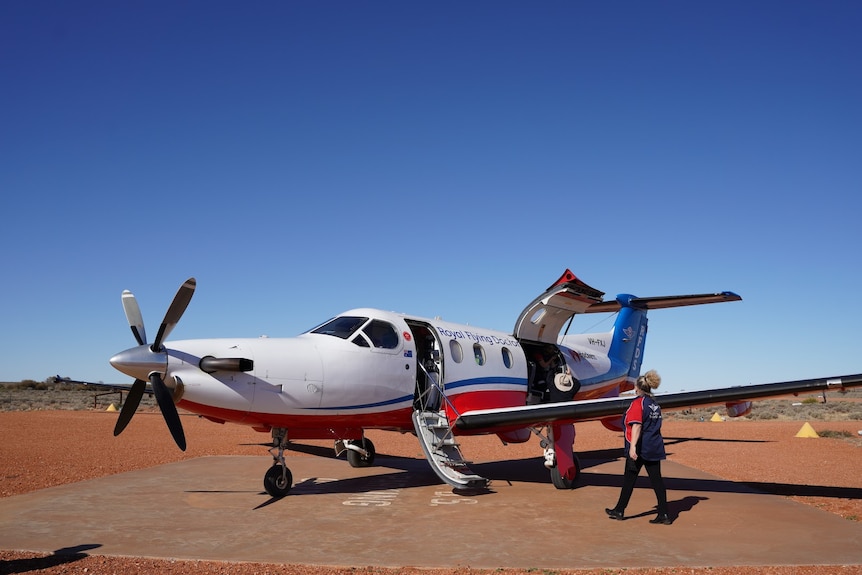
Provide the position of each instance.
(46, 448)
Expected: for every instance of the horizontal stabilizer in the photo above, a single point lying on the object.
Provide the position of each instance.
(661, 301)
(592, 409)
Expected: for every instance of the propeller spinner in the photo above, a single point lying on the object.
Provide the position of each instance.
(150, 362)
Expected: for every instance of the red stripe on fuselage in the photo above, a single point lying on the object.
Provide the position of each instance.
(474, 400)
(320, 425)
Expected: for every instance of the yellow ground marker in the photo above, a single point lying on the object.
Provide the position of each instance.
(112, 407)
(716, 417)
(806, 431)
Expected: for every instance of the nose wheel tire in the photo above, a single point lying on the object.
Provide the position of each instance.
(278, 480)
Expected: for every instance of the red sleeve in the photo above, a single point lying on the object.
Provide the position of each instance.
(635, 413)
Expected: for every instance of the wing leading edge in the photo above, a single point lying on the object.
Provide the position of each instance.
(535, 415)
(114, 386)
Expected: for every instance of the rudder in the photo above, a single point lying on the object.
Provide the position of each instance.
(629, 339)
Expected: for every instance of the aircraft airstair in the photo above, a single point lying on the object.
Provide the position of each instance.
(435, 433)
(443, 452)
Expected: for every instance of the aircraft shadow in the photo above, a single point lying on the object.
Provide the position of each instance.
(408, 473)
(807, 490)
(416, 472)
(727, 486)
(58, 557)
(676, 440)
(316, 450)
(532, 470)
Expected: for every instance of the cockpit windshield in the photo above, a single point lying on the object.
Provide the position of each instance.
(343, 326)
(376, 333)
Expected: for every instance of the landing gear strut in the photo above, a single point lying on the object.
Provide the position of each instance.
(278, 479)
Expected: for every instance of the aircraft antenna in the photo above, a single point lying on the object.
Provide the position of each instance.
(601, 321)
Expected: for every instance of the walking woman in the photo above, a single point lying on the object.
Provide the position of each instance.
(644, 447)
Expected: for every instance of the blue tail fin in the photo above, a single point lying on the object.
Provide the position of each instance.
(630, 330)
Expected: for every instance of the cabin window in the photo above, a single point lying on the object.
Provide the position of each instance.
(479, 354)
(382, 334)
(456, 351)
(342, 327)
(508, 361)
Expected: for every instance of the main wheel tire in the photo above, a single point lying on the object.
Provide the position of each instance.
(278, 480)
(561, 482)
(355, 459)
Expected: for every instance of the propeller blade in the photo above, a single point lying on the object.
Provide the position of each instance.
(168, 409)
(134, 317)
(133, 399)
(175, 312)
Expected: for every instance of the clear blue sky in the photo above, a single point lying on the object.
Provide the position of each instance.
(441, 159)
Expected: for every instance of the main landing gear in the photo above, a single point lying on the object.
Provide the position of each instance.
(560, 458)
(360, 452)
(278, 479)
(561, 481)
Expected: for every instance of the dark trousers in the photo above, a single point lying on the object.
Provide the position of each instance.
(633, 468)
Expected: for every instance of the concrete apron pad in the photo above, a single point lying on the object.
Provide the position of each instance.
(397, 513)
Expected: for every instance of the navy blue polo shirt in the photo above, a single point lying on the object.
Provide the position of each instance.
(646, 411)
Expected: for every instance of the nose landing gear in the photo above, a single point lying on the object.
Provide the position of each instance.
(278, 479)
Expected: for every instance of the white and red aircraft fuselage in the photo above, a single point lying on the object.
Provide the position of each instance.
(372, 369)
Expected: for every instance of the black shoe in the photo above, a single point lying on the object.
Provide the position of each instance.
(614, 514)
(662, 519)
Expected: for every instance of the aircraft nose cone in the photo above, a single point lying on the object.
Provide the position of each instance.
(139, 362)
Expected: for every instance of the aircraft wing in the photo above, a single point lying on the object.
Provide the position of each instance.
(592, 409)
(117, 386)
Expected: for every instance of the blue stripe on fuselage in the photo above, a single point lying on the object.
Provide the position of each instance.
(487, 381)
(477, 381)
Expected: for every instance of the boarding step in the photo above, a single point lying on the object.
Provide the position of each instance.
(443, 452)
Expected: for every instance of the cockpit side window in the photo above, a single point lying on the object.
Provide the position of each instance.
(360, 340)
(343, 326)
(382, 334)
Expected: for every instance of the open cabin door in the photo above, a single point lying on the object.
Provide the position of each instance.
(543, 320)
(429, 367)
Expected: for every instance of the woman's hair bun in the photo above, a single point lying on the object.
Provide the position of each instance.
(651, 379)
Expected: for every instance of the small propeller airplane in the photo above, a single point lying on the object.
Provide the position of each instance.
(373, 369)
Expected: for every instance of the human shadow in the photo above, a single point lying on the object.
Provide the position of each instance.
(679, 506)
(674, 508)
